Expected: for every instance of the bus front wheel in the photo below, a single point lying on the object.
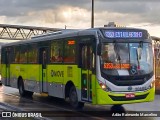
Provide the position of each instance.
(73, 98)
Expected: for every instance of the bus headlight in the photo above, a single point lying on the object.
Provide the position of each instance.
(104, 86)
(152, 84)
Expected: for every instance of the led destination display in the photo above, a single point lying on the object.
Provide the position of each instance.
(123, 34)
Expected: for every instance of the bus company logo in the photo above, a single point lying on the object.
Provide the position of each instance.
(133, 70)
(130, 88)
(57, 73)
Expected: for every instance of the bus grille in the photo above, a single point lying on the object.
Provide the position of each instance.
(123, 98)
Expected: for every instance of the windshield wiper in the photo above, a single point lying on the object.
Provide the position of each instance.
(116, 49)
(139, 52)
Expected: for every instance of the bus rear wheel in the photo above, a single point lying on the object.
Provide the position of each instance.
(22, 91)
(73, 99)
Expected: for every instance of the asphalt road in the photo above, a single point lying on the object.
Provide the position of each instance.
(52, 108)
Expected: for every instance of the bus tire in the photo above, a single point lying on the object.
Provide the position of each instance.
(22, 92)
(29, 93)
(117, 108)
(73, 99)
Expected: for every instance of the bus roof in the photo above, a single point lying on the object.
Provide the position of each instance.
(66, 33)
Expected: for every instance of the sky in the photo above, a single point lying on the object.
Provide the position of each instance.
(77, 13)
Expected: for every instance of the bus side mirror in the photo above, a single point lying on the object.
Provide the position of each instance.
(99, 49)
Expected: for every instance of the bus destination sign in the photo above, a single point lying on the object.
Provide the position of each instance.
(123, 34)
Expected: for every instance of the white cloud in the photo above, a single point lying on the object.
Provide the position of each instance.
(73, 17)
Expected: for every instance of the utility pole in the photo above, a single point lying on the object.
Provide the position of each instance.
(92, 15)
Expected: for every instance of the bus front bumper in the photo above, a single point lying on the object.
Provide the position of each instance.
(104, 97)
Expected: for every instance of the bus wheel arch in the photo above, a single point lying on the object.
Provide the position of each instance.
(71, 93)
(22, 91)
(67, 88)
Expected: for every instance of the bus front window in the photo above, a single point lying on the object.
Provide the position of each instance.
(126, 59)
(141, 56)
(108, 53)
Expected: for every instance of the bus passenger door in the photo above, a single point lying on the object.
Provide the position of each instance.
(86, 75)
(43, 61)
(7, 82)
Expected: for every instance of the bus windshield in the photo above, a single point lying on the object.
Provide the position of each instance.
(125, 59)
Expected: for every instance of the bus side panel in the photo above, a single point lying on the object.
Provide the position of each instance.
(55, 77)
(73, 74)
(59, 75)
(94, 91)
(29, 74)
(3, 73)
(34, 77)
(23, 71)
(14, 74)
(17, 71)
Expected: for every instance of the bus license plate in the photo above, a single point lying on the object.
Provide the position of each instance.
(130, 95)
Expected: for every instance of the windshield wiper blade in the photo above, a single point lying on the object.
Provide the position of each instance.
(116, 48)
(139, 50)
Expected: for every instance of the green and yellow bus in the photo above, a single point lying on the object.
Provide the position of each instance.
(100, 66)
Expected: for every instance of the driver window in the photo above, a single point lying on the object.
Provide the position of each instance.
(108, 54)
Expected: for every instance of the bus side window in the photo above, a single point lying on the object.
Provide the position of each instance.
(56, 51)
(23, 54)
(16, 54)
(92, 59)
(69, 51)
(84, 57)
(32, 54)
